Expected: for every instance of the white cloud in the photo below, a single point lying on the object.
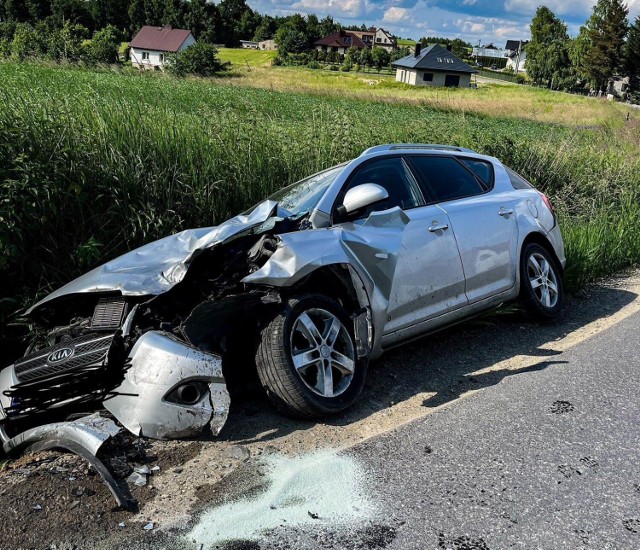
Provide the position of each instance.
(469, 2)
(396, 15)
(337, 8)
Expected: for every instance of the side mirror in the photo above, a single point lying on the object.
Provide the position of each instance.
(362, 196)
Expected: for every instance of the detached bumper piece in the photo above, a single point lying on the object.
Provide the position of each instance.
(83, 437)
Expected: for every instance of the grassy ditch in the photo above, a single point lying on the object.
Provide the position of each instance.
(95, 163)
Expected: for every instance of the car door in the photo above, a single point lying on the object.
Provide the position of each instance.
(423, 263)
(483, 221)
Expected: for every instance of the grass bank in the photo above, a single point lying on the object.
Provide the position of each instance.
(94, 163)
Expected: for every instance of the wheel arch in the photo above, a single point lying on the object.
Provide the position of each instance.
(540, 239)
(342, 283)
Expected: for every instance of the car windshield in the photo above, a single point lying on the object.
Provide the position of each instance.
(304, 195)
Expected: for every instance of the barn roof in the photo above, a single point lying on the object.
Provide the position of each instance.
(162, 39)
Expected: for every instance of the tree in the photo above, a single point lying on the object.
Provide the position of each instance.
(290, 40)
(66, 44)
(199, 59)
(632, 57)
(203, 20)
(381, 57)
(548, 51)
(353, 56)
(606, 29)
(26, 42)
(104, 45)
(366, 57)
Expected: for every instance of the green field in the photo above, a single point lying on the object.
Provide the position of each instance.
(247, 58)
(93, 163)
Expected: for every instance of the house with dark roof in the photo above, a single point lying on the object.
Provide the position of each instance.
(433, 66)
(149, 47)
(340, 42)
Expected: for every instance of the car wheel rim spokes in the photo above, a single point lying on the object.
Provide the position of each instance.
(542, 279)
(322, 352)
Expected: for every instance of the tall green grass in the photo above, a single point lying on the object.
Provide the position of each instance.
(94, 163)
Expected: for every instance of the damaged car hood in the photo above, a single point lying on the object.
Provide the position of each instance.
(158, 266)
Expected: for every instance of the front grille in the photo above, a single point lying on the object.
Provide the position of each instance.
(109, 313)
(88, 350)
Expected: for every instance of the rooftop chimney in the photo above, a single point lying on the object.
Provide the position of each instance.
(449, 47)
(418, 49)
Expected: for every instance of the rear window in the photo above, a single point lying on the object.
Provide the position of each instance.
(481, 168)
(517, 181)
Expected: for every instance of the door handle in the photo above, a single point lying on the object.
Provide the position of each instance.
(436, 228)
(505, 212)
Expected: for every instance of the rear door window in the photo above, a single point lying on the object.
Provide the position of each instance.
(445, 178)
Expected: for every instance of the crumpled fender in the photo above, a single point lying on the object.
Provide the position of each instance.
(371, 254)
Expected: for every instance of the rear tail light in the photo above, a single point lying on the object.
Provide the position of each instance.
(547, 202)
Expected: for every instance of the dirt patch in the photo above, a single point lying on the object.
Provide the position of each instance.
(561, 407)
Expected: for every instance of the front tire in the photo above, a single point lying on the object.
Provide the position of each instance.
(307, 359)
(541, 290)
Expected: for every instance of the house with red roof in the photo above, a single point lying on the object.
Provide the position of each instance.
(341, 41)
(149, 48)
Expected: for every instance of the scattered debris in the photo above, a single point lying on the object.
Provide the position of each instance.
(149, 526)
(632, 525)
(37, 507)
(561, 407)
(138, 479)
(122, 524)
(313, 516)
(464, 542)
(427, 449)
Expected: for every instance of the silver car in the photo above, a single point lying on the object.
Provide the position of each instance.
(310, 284)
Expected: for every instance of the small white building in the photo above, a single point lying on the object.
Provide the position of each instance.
(433, 66)
(249, 45)
(149, 48)
(268, 45)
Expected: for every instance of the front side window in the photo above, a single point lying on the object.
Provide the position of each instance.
(145, 56)
(392, 174)
(445, 179)
(427, 77)
(161, 58)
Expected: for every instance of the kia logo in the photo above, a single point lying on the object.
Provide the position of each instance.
(60, 355)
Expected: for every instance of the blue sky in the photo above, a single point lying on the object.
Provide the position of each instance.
(485, 20)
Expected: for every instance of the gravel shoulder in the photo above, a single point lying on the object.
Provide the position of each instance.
(49, 498)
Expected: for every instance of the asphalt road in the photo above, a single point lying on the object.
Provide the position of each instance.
(546, 458)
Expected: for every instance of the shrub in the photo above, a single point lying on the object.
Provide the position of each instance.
(199, 59)
(104, 45)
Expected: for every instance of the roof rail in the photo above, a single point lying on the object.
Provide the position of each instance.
(429, 146)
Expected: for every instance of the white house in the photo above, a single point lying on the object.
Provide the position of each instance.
(384, 40)
(268, 45)
(433, 66)
(150, 46)
(249, 45)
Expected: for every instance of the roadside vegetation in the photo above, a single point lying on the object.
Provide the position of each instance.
(97, 162)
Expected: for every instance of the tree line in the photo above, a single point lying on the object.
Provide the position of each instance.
(607, 46)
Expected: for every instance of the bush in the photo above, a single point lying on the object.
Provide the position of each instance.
(333, 68)
(104, 45)
(313, 65)
(199, 59)
(346, 67)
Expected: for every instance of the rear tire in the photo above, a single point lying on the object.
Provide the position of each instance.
(307, 359)
(541, 290)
